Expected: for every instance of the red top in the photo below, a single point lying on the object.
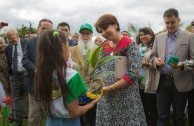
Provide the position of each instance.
(122, 46)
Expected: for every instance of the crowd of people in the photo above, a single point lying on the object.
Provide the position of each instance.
(38, 72)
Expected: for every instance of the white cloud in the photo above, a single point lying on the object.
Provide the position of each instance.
(76, 12)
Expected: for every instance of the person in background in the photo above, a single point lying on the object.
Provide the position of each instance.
(191, 96)
(148, 96)
(29, 35)
(65, 28)
(3, 24)
(174, 79)
(14, 53)
(78, 54)
(4, 77)
(57, 85)
(29, 63)
(75, 37)
(192, 25)
(125, 33)
(121, 104)
(98, 41)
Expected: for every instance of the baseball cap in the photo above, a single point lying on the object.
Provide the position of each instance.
(86, 26)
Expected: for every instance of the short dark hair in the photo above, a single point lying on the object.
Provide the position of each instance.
(192, 23)
(44, 20)
(105, 20)
(171, 12)
(63, 24)
(124, 31)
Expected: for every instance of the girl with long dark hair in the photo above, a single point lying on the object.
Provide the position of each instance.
(58, 86)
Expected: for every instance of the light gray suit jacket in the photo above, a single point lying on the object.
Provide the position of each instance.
(184, 49)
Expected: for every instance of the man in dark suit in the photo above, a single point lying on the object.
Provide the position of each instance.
(28, 62)
(174, 79)
(14, 54)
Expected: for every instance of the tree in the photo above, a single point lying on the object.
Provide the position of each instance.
(133, 30)
(188, 28)
(24, 29)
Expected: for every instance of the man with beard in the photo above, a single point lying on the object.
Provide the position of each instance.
(78, 54)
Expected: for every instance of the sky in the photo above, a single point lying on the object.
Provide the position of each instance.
(141, 13)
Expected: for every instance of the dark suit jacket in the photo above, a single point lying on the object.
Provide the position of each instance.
(4, 77)
(28, 62)
(9, 52)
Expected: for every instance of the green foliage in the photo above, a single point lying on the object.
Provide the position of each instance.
(103, 74)
(188, 28)
(133, 30)
(106, 60)
(92, 60)
(3, 35)
(95, 56)
(23, 30)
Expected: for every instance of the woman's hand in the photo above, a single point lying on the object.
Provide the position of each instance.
(106, 90)
(144, 63)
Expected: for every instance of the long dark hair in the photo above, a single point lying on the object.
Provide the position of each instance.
(49, 59)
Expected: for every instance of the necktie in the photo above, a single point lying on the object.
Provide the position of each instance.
(15, 60)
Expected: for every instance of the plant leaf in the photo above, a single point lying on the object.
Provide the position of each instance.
(88, 55)
(95, 56)
(103, 74)
(106, 60)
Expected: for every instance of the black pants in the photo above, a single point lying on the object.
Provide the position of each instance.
(150, 108)
(89, 119)
(18, 93)
(191, 107)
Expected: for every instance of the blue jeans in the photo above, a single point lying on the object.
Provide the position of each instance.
(166, 95)
(55, 121)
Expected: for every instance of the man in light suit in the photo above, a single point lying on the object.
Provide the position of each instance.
(78, 54)
(28, 62)
(173, 81)
(14, 54)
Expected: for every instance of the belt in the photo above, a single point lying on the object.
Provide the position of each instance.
(169, 75)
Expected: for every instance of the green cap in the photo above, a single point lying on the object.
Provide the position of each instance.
(86, 26)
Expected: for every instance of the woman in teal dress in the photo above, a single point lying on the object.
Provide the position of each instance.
(58, 86)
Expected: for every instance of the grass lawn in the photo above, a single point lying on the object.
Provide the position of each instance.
(25, 123)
